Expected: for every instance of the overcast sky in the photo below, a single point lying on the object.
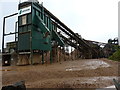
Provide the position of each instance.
(95, 20)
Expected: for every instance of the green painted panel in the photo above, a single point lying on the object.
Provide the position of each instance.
(24, 28)
(20, 29)
(39, 41)
(20, 20)
(24, 42)
(40, 24)
(39, 45)
(29, 27)
(29, 20)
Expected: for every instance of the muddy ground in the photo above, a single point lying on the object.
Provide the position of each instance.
(85, 73)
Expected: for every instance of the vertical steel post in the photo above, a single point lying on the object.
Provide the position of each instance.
(51, 56)
(16, 37)
(42, 57)
(51, 47)
(71, 52)
(77, 48)
(43, 13)
(3, 35)
(64, 53)
(15, 31)
(31, 51)
(50, 28)
(56, 57)
(60, 54)
(31, 57)
(48, 19)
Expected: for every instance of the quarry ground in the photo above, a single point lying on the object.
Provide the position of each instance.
(82, 73)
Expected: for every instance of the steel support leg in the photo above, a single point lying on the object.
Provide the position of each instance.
(42, 57)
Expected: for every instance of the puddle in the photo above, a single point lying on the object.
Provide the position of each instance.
(73, 69)
(113, 86)
(108, 88)
(97, 64)
(88, 65)
(94, 82)
(106, 80)
(98, 79)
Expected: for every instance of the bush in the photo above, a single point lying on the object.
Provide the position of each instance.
(115, 56)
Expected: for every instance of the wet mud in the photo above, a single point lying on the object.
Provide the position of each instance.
(87, 73)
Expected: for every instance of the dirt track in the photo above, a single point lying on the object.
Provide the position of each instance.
(89, 73)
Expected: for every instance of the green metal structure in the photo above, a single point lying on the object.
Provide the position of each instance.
(39, 31)
(36, 30)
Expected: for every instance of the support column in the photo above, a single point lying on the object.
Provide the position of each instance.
(31, 57)
(42, 57)
(64, 53)
(3, 35)
(50, 56)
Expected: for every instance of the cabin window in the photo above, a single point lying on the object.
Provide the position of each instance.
(24, 19)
